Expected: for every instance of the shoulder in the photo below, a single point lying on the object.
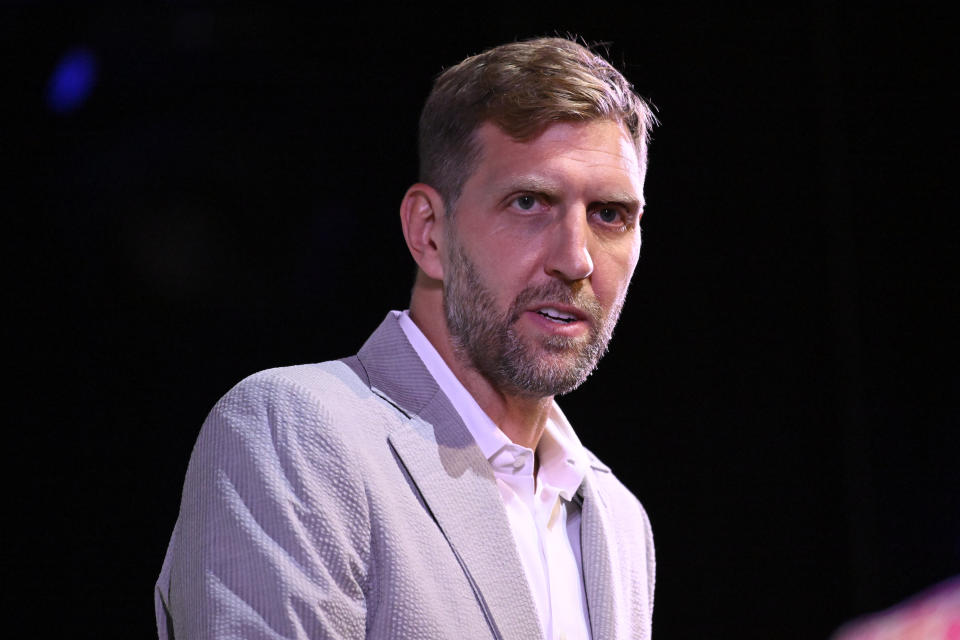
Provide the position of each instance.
(629, 519)
(290, 388)
(302, 395)
(292, 435)
(613, 492)
(316, 413)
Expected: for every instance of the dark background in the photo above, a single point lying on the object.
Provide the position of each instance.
(782, 392)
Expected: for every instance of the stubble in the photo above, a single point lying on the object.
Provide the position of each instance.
(486, 339)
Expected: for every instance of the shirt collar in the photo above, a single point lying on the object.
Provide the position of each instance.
(563, 460)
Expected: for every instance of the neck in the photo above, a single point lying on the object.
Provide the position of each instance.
(521, 418)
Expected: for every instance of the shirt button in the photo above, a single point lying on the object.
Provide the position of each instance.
(518, 464)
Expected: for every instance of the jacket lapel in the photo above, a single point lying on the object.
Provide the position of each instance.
(454, 479)
(603, 598)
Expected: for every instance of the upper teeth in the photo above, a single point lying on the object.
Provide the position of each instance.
(553, 313)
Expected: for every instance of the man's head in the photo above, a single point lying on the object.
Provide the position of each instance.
(521, 87)
(526, 224)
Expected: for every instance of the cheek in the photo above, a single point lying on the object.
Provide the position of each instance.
(612, 276)
(511, 259)
(504, 270)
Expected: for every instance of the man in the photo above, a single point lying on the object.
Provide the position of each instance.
(430, 487)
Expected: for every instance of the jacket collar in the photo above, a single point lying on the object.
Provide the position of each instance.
(458, 487)
(454, 479)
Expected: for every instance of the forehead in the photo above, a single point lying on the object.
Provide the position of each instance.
(599, 152)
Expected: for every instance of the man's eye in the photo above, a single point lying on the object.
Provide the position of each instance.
(609, 215)
(526, 202)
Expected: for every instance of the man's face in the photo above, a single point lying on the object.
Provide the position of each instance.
(540, 250)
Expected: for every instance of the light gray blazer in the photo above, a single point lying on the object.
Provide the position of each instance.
(348, 500)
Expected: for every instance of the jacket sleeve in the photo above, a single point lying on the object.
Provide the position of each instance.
(272, 540)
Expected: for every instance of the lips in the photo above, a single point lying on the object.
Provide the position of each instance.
(562, 315)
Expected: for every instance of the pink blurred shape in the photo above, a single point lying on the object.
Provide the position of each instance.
(932, 615)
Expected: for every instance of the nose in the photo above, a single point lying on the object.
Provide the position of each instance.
(569, 251)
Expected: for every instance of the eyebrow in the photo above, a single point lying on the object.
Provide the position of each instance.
(549, 188)
(535, 184)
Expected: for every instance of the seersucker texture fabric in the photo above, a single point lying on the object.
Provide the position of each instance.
(347, 499)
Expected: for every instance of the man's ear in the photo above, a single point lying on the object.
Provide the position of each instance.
(423, 216)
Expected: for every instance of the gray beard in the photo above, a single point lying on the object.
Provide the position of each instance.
(487, 341)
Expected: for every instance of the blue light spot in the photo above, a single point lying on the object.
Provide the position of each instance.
(72, 81)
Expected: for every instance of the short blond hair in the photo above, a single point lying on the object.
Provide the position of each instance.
(522, 87)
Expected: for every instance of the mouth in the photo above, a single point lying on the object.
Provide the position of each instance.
(560, 315)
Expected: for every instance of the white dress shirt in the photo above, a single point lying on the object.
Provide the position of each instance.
(543, 518)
